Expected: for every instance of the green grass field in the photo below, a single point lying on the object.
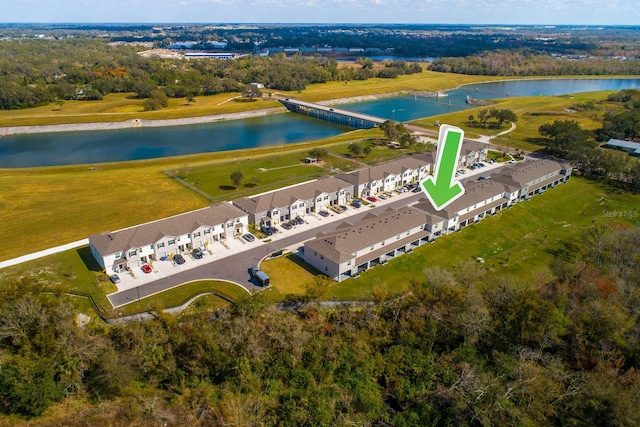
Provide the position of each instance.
(521, 242)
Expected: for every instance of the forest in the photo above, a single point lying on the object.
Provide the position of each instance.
(464, 346)
(37, 72)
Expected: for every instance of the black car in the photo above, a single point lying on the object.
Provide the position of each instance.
(287, 226)
(249, 237)
(299, 220)
(196, 254)
(178, 259)
(323, 213)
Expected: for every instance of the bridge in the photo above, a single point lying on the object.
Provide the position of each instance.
(335, 115)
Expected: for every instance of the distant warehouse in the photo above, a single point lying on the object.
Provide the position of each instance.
(214, 55)
(630, 147)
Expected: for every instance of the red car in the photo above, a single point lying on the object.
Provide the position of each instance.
(146, 268)
(372, 199)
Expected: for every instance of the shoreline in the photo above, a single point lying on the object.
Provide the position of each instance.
(144, 123)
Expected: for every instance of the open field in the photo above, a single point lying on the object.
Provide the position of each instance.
(520, 242)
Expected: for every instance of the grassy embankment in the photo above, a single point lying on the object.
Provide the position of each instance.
(521, 242)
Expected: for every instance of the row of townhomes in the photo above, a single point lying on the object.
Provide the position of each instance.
(278, 206)
(353, 248)
(132, 247)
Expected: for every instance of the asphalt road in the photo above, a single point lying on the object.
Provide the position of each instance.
(235, 268)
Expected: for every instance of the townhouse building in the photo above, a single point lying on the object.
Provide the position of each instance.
(132, 247)
(387, 176)
(353, 248)
(278, 206)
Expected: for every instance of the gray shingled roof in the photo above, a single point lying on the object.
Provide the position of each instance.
(287, 196)
(340, 244)
(475, 192)
(522, 173)
(146, 234)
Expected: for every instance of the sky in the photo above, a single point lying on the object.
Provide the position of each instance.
(551, 12)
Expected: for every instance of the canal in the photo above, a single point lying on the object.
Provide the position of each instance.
(64, 148)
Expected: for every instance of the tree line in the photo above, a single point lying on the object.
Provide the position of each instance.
(459, 347)
(530, 63)
(37, 72)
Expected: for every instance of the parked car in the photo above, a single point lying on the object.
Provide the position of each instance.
(276, 254)
(115, 279)
(178, 259)
(298, 220)
(344, 208)
(196, 254)
(382, 197)
(372, 199)
(267, 230)
(204, 250)
(462, 172)
(146, 268)
(323, 213)
(356, 204)
(416, 190)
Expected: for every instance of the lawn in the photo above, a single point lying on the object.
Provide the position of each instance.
(520, 242)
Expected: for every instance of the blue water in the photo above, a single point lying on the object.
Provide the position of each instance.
(64, 148)
(409, 107)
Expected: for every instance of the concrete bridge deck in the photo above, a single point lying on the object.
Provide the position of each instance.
(331, 114)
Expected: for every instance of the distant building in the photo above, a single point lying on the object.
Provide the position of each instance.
(213, 55)
(630, 147)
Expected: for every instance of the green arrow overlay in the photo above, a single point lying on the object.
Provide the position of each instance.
(442, 190)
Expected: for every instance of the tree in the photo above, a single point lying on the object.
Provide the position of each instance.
(355, 149)
(504, 115)
(236, 178)
(251, 91)
(190, 98)
(318, 153)
(366, 150)
(564, 135)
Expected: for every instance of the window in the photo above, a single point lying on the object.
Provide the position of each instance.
(160, 245)
(321, 256)
(398, 237)
(372, 246)
(151, 247)
(172, 242)
(207, 231)
(382, 244)
(294, 206)
(408, 231)
(118, 255)
(319, 199)
(133, 253)
(197, 234)
(348, 262)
